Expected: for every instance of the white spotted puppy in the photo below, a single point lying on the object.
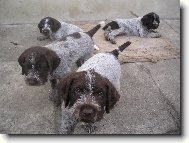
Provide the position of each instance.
(55, 30)
(91, 91)
(141, 27)
(53, 61)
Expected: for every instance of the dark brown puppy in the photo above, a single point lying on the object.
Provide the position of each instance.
(37, 62)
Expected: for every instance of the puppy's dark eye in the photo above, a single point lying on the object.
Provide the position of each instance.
(100, 93)
(77, 90)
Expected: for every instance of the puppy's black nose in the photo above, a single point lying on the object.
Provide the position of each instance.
(32, 81)
(88, 112)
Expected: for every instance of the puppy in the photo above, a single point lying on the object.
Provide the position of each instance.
(55, 30)
(53, 61)
(141, 27)
(91, 91)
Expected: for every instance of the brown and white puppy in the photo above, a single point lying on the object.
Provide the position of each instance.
(141, 27)
(55, 60)
(55, 30)
(91, 91)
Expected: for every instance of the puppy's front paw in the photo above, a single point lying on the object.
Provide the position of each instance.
(158, 35)
(113, 41)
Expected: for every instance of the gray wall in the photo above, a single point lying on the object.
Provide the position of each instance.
(31, 11)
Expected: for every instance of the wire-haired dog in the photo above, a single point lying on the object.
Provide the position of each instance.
(53, 61)
(55, 30)
(91, 91)
(141, 27)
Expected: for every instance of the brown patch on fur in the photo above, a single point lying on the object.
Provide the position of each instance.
(75, 35)
(112, 24)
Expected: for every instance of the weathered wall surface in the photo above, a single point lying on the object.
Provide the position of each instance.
(31, 11)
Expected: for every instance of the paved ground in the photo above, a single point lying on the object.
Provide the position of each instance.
(150, 102)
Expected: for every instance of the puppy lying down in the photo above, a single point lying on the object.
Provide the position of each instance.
(53, 29)
(91, 91)
(141, 27)
(54, 60)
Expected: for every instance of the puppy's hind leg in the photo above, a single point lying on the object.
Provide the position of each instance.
(112, 34)
(112, 24)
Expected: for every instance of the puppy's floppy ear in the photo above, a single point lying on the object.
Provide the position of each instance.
(145, 20)
(53, 60)
(21, 61)
(112, 96)
(56, 25)
(64, 87)
(40, 26)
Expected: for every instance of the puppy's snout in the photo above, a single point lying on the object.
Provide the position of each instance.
(32, 81)
(45, 31)
(156, 24)
(87, 114)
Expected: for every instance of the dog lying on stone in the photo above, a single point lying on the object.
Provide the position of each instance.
(53, 29)
(141, 27)
(56, 30)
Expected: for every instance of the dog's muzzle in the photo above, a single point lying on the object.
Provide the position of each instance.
(155, 25)
(87, 113)
(32, 81)
(46, 32)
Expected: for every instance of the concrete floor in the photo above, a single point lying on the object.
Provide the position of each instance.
(150, 102)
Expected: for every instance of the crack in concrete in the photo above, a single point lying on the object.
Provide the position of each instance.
(133, 14)
(171, 27)
(171, 109)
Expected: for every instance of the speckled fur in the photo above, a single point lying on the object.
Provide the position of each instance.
(65, 30)
(71, 50)
(56, 31)
(69, 122)
(130, 27)
(94, 86)
(106, 65)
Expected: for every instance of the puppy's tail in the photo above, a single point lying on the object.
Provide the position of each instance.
(95, 29)
(117, 51)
